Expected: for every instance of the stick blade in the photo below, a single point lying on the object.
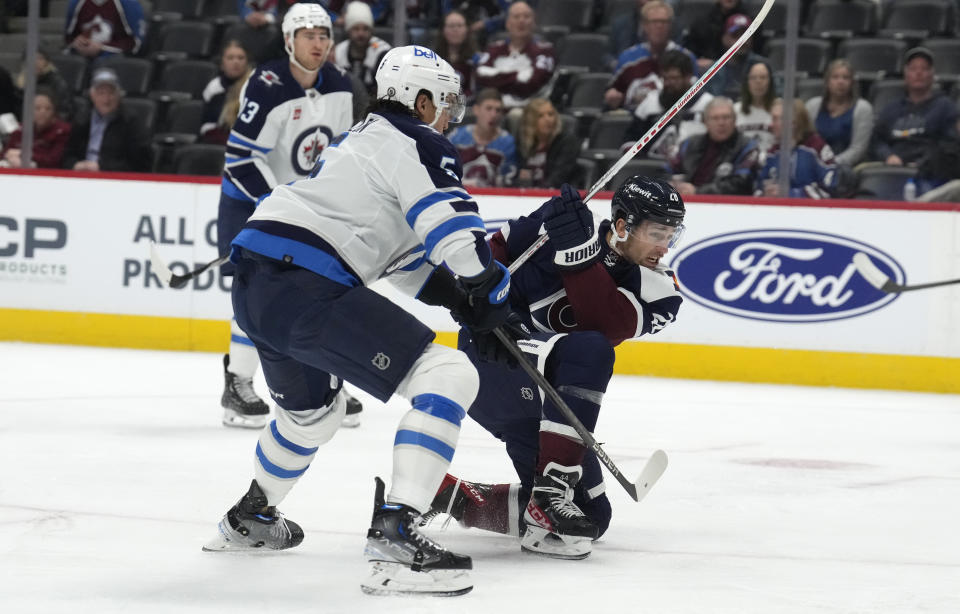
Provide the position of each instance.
(652, 471)
(869, 271)
(160, 268)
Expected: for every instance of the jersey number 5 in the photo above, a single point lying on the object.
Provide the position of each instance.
(249, 110)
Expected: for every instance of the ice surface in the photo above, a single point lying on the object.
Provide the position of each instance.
(114, 470)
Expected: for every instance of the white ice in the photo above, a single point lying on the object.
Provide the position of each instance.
(115, 469)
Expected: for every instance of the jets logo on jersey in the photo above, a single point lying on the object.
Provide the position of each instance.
(270, 78)
(307, 148)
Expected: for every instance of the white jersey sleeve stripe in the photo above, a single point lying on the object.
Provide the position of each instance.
(636, 305)
(432, 199)
(238, 140)
(450, 227)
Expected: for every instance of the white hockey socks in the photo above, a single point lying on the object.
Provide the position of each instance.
(423, 448)
(243, 354)
(287, 446)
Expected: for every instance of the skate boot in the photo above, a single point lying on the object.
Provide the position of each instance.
(241, 405)
(404, 561)
(354, 407)
(555, 526)
(252, 525)
(452, 498)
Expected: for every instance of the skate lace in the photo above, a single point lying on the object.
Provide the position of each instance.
(279, 529)
(244, 389)
(422, 541)
(432, 513)
(561, 500)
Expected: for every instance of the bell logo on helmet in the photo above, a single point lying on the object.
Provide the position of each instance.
(423, 52)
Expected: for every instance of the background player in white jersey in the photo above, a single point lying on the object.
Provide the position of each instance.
(584, 291)
(290, 109)
(384, 200)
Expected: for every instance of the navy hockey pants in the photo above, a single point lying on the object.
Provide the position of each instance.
(307, 327)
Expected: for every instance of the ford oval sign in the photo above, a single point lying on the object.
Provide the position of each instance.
(782, 275)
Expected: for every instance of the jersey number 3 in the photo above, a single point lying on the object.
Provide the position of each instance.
(249, 110)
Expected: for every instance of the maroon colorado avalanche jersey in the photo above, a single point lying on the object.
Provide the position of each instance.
(518, 75)
(620, 299)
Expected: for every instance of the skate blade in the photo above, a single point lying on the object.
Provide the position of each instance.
(398, 579)
(238, 420)
(537, 540)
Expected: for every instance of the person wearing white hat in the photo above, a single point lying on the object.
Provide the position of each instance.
(361, 53)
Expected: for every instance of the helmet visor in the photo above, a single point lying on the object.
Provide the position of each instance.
(455, 106)
(658, 234)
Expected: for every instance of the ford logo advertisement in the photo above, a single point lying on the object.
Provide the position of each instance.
(782, 275)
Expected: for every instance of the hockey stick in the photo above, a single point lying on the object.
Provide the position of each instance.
(880, 281)
(658, 126)
(651, 472)
(178, 281)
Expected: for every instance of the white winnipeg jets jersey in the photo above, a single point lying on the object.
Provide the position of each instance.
(282, 128)
(384, 198)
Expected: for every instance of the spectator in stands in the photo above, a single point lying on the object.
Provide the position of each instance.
(109, 138)
(547, 149)
(728, 81)
(50, 134)
(521, 66)
(487, 151)
(812, 171)
(361, 53)
(907, 129)
(706, 35)
(841, 116)
(11, 103)
(379, 10)
(456, 44)
(636, 72)
(235, 67)
(722, 161)
(626, 30)
(257, 13)
(941, 171)
(50, 79)
(756, 101)
(676, 75)
(485, 17)
(97, 28)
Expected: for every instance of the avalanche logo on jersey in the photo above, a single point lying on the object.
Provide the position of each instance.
(270, 78)
(307, 148)
(554, 313)
(98, 30)
(782, 275)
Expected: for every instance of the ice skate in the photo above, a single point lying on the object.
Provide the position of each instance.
(405, 562)
(555, 526)
(241, 405)
(354, 407)
(251, 525)
(452, 498)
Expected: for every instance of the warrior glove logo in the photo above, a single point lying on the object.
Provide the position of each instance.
(782, 275)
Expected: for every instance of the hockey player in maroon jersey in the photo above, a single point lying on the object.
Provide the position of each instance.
(583, 293)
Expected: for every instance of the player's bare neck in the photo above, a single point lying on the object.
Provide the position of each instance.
(306, 78)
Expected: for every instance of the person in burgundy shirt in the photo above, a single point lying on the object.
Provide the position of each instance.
(521, 66)
(104, 27)
(50, 135)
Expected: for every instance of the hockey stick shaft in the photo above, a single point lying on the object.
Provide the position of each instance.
(655, 466)
(880, 281)
(179, 281)
(659, 125)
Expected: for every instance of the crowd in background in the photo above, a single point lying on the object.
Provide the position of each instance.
(552, 101)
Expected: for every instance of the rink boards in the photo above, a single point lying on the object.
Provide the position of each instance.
(770, 292)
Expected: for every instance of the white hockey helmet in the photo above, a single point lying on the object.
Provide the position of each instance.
(404, 71)
(304, 15)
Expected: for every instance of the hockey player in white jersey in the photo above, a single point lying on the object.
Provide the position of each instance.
(290, 110)
(385, 200)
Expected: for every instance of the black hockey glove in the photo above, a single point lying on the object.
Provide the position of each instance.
(490, 349)
(570, 226)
